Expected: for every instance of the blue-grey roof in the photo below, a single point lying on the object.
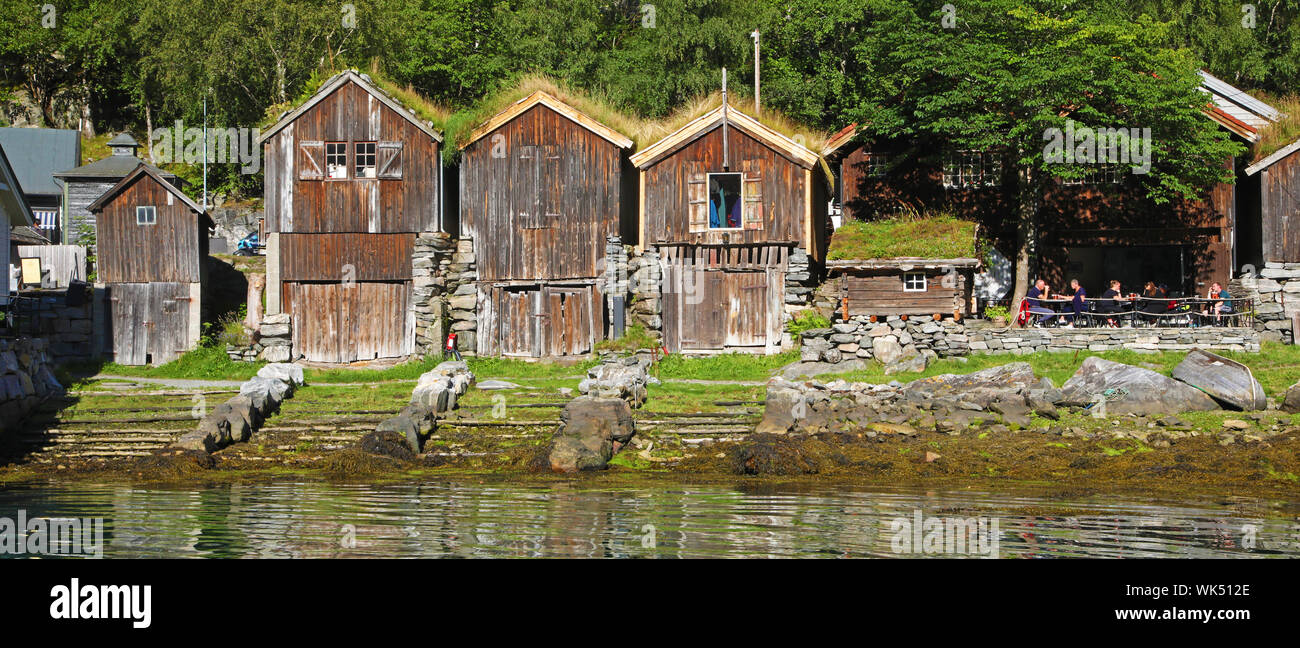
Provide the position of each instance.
(36, 154)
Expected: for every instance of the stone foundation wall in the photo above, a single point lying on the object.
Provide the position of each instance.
(646, 304)
(893, 338)
(445, 295)
(26, 379)
(68, 332)
(1276, 291)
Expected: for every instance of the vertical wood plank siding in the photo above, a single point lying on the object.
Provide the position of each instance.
(1280, 184)
(539, 195)
(784, 195)
(166, 251)
(346, 244)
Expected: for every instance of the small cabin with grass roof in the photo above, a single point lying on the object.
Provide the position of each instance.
(541, 188)
(918, 267)
(352, 178)
(730, 204)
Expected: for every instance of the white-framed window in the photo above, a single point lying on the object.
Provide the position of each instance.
(726, 201)
(146, 215)
(914, 282)
(1096, 175)
(965, 169)
(336, 160)
(876, 165)
(365, 158)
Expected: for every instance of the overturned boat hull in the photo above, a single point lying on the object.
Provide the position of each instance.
(1227, 381)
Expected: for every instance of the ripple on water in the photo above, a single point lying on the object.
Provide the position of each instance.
(435, 519)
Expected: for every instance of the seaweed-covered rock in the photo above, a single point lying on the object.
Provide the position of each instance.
(1291, 403)
(770, 454)
(590, 429)
(386, 443)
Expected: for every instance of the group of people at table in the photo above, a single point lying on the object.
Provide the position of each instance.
(1115, 308)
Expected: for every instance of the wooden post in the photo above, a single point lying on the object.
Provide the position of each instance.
(256, 286)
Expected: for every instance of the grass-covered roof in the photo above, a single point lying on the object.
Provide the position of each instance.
(915, 235)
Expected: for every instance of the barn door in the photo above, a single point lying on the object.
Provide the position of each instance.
(517, 328)
(129, 304)
(347, 322)
(746, 308)
(567, 320)
(170, 313)
(712, 309)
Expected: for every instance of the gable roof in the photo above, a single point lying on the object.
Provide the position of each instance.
(338, 81)
(145, 169)
(543, 98)
(705, 123)
(11, 196)
(1235, 109)
(1274, 158)
(844, 136)
(38, 153)
(112, 167)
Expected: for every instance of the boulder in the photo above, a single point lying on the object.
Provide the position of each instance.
(1014, 377)
(623, 378)
(1132, 390)
(912, 361)
(386, 443)
(1291, 402)
(886, 349)
(404, 426)
(284, 372)
(783, 408)
(591, 430)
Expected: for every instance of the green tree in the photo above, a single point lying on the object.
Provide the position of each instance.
(996, 75)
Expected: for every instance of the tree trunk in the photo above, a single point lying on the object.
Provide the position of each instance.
(148, 131)
(1026, 233)
(87, 123)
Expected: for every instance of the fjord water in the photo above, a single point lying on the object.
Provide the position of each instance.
(471, 519)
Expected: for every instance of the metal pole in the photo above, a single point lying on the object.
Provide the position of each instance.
(726, 158)
(758, 109)
(205, 151)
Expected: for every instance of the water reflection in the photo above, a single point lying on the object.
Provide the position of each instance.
(441, 519)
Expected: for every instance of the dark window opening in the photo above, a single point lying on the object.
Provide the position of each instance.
(365, 160)
(336, 160)
(725, 201)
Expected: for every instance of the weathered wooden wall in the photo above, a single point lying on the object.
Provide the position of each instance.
(880, 292)
(1280, 210)
(350, 114)
(339, 257)
(347, 322)
(80, 194)
(171, 250)
(65, 262)
(150, 322)
(782, 183)
(538, 320)
(1089, 215)
(539, 195)
(714, 309)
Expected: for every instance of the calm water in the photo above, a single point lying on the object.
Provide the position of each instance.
(292, 519)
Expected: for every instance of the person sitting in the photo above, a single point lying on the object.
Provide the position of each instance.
(1223, 303)
(1111, 302)
(1077, 304)
(1040, 290)
(1152, 303)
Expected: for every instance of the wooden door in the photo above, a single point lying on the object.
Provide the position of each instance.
(567, 320)
(150, 322)
(348, 322)
(710, 309)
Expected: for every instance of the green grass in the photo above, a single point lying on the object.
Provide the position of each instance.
(729, 366)
(1276, 366)
(634, 338)
(203, 363)
(939, 236)
(508, 368)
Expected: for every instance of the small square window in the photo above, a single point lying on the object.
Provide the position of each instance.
(146, 215)
(725, 204)
(336, 160)
(877, 165)
(365, 160)
(913, 282)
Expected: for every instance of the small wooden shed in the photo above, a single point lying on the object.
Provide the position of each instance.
(726, 201)
(904, 286)
(151, 241)
(540, 194)
(1276, 227)
(352, 177)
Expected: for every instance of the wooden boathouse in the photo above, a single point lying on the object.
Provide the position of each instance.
(725, 201)
(540, 194)
(152, 241)
(351, 178)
